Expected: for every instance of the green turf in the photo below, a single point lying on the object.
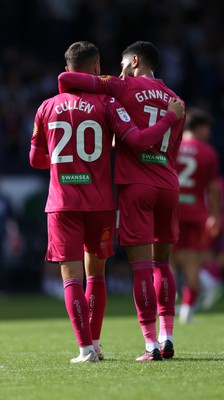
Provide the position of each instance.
(37, 343)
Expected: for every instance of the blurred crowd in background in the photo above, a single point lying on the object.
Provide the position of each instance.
(34, 36)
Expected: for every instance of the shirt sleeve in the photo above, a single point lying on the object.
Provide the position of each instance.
(143, 139)
(38, 155)
(111, 85)
(38, 159)
(125, 129)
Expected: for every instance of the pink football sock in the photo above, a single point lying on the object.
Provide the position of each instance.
(166, 323)
(149, 334)
(165, 287)
(77, 309)
(189, 296)
(145, 298)
(96, 297)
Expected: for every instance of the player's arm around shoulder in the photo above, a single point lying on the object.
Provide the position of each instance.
(102, 84)
(122, 125)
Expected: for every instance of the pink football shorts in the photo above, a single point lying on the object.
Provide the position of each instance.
(146, 214)
(193, 236)
(72, 232)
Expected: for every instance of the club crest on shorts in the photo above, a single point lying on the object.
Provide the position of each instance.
(123, 114)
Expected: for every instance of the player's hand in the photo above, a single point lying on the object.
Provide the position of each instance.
(176, 106)
(213, 225)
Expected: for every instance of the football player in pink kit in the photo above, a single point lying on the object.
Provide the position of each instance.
(72, 136)
(147, 190)
(198, 169)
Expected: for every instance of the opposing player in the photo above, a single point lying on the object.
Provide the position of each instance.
(198, 169)
(147, 190)
(73, 136)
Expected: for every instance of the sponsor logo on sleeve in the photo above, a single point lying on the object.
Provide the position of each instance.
(35, 130)
(104, 78)
(123, 114)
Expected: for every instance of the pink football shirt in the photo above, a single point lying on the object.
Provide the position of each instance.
(197, 166)
(76, 131)
(146, 100)
(73, 129)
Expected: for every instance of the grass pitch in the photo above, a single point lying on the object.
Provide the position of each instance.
(37, 343)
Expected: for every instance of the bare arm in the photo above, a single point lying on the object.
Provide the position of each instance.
(214, 200)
